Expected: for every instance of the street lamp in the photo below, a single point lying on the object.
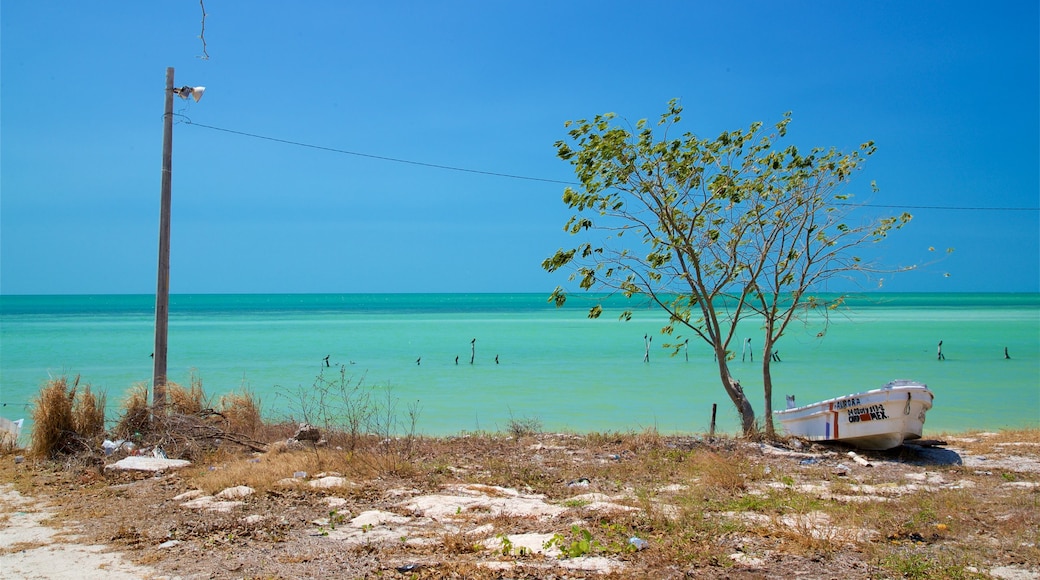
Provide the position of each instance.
(162, 289)
(193, 92)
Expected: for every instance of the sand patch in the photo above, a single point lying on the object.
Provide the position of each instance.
(31, 549)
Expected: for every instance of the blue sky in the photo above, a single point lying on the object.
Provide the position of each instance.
(947, 90)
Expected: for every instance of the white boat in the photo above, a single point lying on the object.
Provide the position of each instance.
(876, 419)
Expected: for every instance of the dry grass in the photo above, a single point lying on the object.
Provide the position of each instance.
(1004, 440)
(261, 473)
(88, 413)
(700, 503)
(137, 415)
(52, 418)
(66, 420)
(189, 400)
(241, 410)
(720, 476)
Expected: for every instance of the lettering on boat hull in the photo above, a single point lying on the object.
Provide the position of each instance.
(871, 413)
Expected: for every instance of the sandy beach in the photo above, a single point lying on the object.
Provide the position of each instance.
(537, 506)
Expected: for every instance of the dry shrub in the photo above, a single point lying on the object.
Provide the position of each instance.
(724, 474)
(88, 413)
(64, 423)
(52, 418)
(186, 401)
(241, 410)
(136, 417)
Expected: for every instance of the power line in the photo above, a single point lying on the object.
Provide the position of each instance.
(188, 121)
(944, 207)
(380, 157)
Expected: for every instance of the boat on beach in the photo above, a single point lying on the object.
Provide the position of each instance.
(875, 420)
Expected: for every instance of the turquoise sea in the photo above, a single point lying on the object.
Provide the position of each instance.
(532, 360)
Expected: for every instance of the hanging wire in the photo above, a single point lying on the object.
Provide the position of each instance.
(188, 121)
(370, 156)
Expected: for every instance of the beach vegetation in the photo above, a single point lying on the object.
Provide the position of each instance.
(520, 427)
(136, 415)
(190, 400)
(712, 230)
(702, 507)
(369, 423)
(242, 411)
(67, 418)
(88, 413)
(336, 401)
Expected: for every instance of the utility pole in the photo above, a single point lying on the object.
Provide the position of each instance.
(162, 287)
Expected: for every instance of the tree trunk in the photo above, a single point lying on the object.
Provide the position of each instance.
(736, 394)
(767, 388)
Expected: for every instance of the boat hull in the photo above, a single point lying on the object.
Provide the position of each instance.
(877, 419)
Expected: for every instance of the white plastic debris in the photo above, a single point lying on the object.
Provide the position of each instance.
(145, 463)
(10, 431)
(110, 447)
(858, 459)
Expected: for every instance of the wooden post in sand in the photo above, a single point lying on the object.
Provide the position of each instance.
(162, 287)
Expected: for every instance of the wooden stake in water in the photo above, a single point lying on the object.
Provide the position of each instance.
(711, 433)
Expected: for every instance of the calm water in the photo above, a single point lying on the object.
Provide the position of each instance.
(553, 365)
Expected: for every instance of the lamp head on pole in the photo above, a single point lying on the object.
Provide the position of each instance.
(193, 92)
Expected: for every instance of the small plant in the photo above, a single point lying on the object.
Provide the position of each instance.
(523, 426)
(581, 544)
(335, 518)
(507, 544)
(909, 565)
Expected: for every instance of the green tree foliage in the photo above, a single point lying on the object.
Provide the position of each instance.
(711, 230)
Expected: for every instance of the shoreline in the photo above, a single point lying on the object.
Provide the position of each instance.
(790, 509)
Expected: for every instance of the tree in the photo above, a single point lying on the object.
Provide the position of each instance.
(798, 238)
(722, 226)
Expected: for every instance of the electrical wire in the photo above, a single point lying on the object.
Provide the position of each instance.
(380, 157)
(944, 207)
(188, 121)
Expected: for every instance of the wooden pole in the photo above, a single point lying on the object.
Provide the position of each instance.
(162, 287)
(711, 434)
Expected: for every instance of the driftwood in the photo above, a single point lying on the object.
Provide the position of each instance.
(184, 429)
